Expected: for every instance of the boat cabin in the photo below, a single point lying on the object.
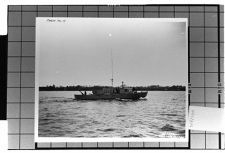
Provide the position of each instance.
(113, 90)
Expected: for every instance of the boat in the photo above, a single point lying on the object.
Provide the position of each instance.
(112, 93)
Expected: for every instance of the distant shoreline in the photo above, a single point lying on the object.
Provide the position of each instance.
(91, 88)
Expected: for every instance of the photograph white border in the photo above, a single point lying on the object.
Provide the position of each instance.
(69, 139)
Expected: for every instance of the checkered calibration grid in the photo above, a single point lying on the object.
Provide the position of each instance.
(206, 73)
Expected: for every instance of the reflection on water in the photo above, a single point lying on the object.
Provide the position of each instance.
(161, 114)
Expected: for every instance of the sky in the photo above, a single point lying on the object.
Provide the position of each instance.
(78, 51)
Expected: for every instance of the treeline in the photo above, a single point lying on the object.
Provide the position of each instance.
(90, 88)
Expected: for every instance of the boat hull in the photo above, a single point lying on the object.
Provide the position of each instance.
(133, 96)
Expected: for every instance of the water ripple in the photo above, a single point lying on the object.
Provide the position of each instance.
(162, 112)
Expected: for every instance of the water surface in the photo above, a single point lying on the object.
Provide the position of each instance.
(160, 115)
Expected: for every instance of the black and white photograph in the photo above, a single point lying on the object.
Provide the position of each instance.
(111, 79)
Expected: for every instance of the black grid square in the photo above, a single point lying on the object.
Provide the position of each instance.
(14, 49)
(29, 8)
(105, 8)
(28, 18)
(151, 14)
(14, 34)
(197, 34)
(13, 95)
(44, 8)
(197, 19)
(151, 8)
(14, 19)
(59, 8)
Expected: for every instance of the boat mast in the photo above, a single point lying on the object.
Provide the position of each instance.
(112, 67)
(110, 35)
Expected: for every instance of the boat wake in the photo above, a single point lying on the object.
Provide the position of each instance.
(55, 99)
